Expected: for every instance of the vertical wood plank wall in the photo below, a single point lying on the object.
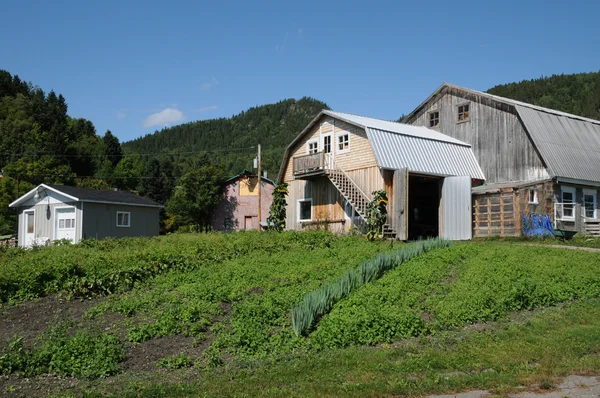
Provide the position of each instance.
(496, 135)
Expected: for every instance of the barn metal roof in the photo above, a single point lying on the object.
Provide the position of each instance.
(395, 151)
(398, 145)
(569, 145)
(394, 127)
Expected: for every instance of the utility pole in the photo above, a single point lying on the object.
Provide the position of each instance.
(259, 188)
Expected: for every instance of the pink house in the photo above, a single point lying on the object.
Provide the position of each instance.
(239, 208)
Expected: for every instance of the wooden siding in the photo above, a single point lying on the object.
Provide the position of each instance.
(100, 221)
(576, 225)
(499, 213)
(328, 202)
(360, 155)
(497, 136)
(44, 220)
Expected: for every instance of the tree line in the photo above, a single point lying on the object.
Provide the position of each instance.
(183, 166)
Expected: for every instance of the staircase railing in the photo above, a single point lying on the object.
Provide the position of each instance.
(337, 168)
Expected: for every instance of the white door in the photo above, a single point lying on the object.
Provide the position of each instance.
(327, 145)
(456, 215)
(65, 224)
(28, 228)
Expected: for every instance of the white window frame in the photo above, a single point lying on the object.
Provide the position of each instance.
(337, 142)
(308, 143)
(331, 149)
(56, 223)
(594, 193)
(24, 243)
(128, 219)
(573, 191)
(298, 207)
(535, 200)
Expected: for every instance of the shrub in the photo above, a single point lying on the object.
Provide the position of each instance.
(175, 362)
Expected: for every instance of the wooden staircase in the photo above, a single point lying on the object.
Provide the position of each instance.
(353, 194)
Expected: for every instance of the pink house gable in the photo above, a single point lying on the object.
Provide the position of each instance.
(239, 208)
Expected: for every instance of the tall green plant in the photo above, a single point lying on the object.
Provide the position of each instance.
(319, 302)
(276, 219)
(377, 214)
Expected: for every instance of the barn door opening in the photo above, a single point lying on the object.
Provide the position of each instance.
(423, 207)
(456, 208)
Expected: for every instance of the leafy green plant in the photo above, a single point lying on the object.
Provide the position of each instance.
(377, 214)
(277, 214)
(83, 354)
(175, 362)
(317, 303)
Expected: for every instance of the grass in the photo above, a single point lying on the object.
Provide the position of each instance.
(399, 334)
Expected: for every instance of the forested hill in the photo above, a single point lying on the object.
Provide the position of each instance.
(273, 126)
(578, 94)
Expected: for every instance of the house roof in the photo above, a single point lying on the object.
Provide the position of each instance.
(248, 173)
(569, 145)
(398, 145)
(91, 195)
(497, 186)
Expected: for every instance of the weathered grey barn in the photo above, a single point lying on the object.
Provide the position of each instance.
(53, 212)
(535, 159)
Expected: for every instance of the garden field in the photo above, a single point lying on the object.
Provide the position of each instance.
(211, 314)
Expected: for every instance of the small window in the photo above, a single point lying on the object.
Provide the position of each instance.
(305, 210)
(30, 221)
(434, 119)
(61, 224)
(463, 113)
(327, 144)
(343, 142)
(312, 147)
(533, 198)
(123, 219)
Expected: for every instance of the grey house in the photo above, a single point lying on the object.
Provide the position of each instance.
(53, 212)
(536, 160)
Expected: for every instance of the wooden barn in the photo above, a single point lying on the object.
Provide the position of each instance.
(339, 159)
(535, 159)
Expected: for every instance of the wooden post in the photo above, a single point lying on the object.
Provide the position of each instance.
(259, 189)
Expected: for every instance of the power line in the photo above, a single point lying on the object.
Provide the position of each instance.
(53, 155)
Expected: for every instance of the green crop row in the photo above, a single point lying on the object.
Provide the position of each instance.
(319, 302)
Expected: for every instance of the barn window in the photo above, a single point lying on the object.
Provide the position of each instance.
(434, 119)
(305, 209)
(312, 147)
(533, 198)
(343, 142)
(123, 219)
(463, 113)
(589, 203)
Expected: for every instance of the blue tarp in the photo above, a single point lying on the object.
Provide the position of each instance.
(536, 225)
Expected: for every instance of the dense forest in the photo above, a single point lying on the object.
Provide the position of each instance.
(183, 166)
(232, 141)
(578, 93)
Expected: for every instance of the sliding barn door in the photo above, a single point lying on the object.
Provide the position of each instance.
(456, 217)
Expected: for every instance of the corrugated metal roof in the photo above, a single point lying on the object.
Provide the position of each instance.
(396, 150)
(569, 146)
(394, 127)
(497, 186)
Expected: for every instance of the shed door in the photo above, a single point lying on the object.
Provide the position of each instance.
(456, 208)
(29, 228)
(400, 206)
(65, 224)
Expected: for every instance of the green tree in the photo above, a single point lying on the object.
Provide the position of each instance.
(277, 211)
(114, 153)
(157, 181)
(197, 195)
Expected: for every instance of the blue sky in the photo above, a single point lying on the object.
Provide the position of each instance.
(135, 67)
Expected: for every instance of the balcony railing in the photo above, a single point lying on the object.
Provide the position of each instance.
(311, 164)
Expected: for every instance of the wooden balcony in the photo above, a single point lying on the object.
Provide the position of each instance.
(310, 165)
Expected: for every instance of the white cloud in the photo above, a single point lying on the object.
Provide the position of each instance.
(121, 115)
(206, 108)
(210, 84)
(166, 117)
